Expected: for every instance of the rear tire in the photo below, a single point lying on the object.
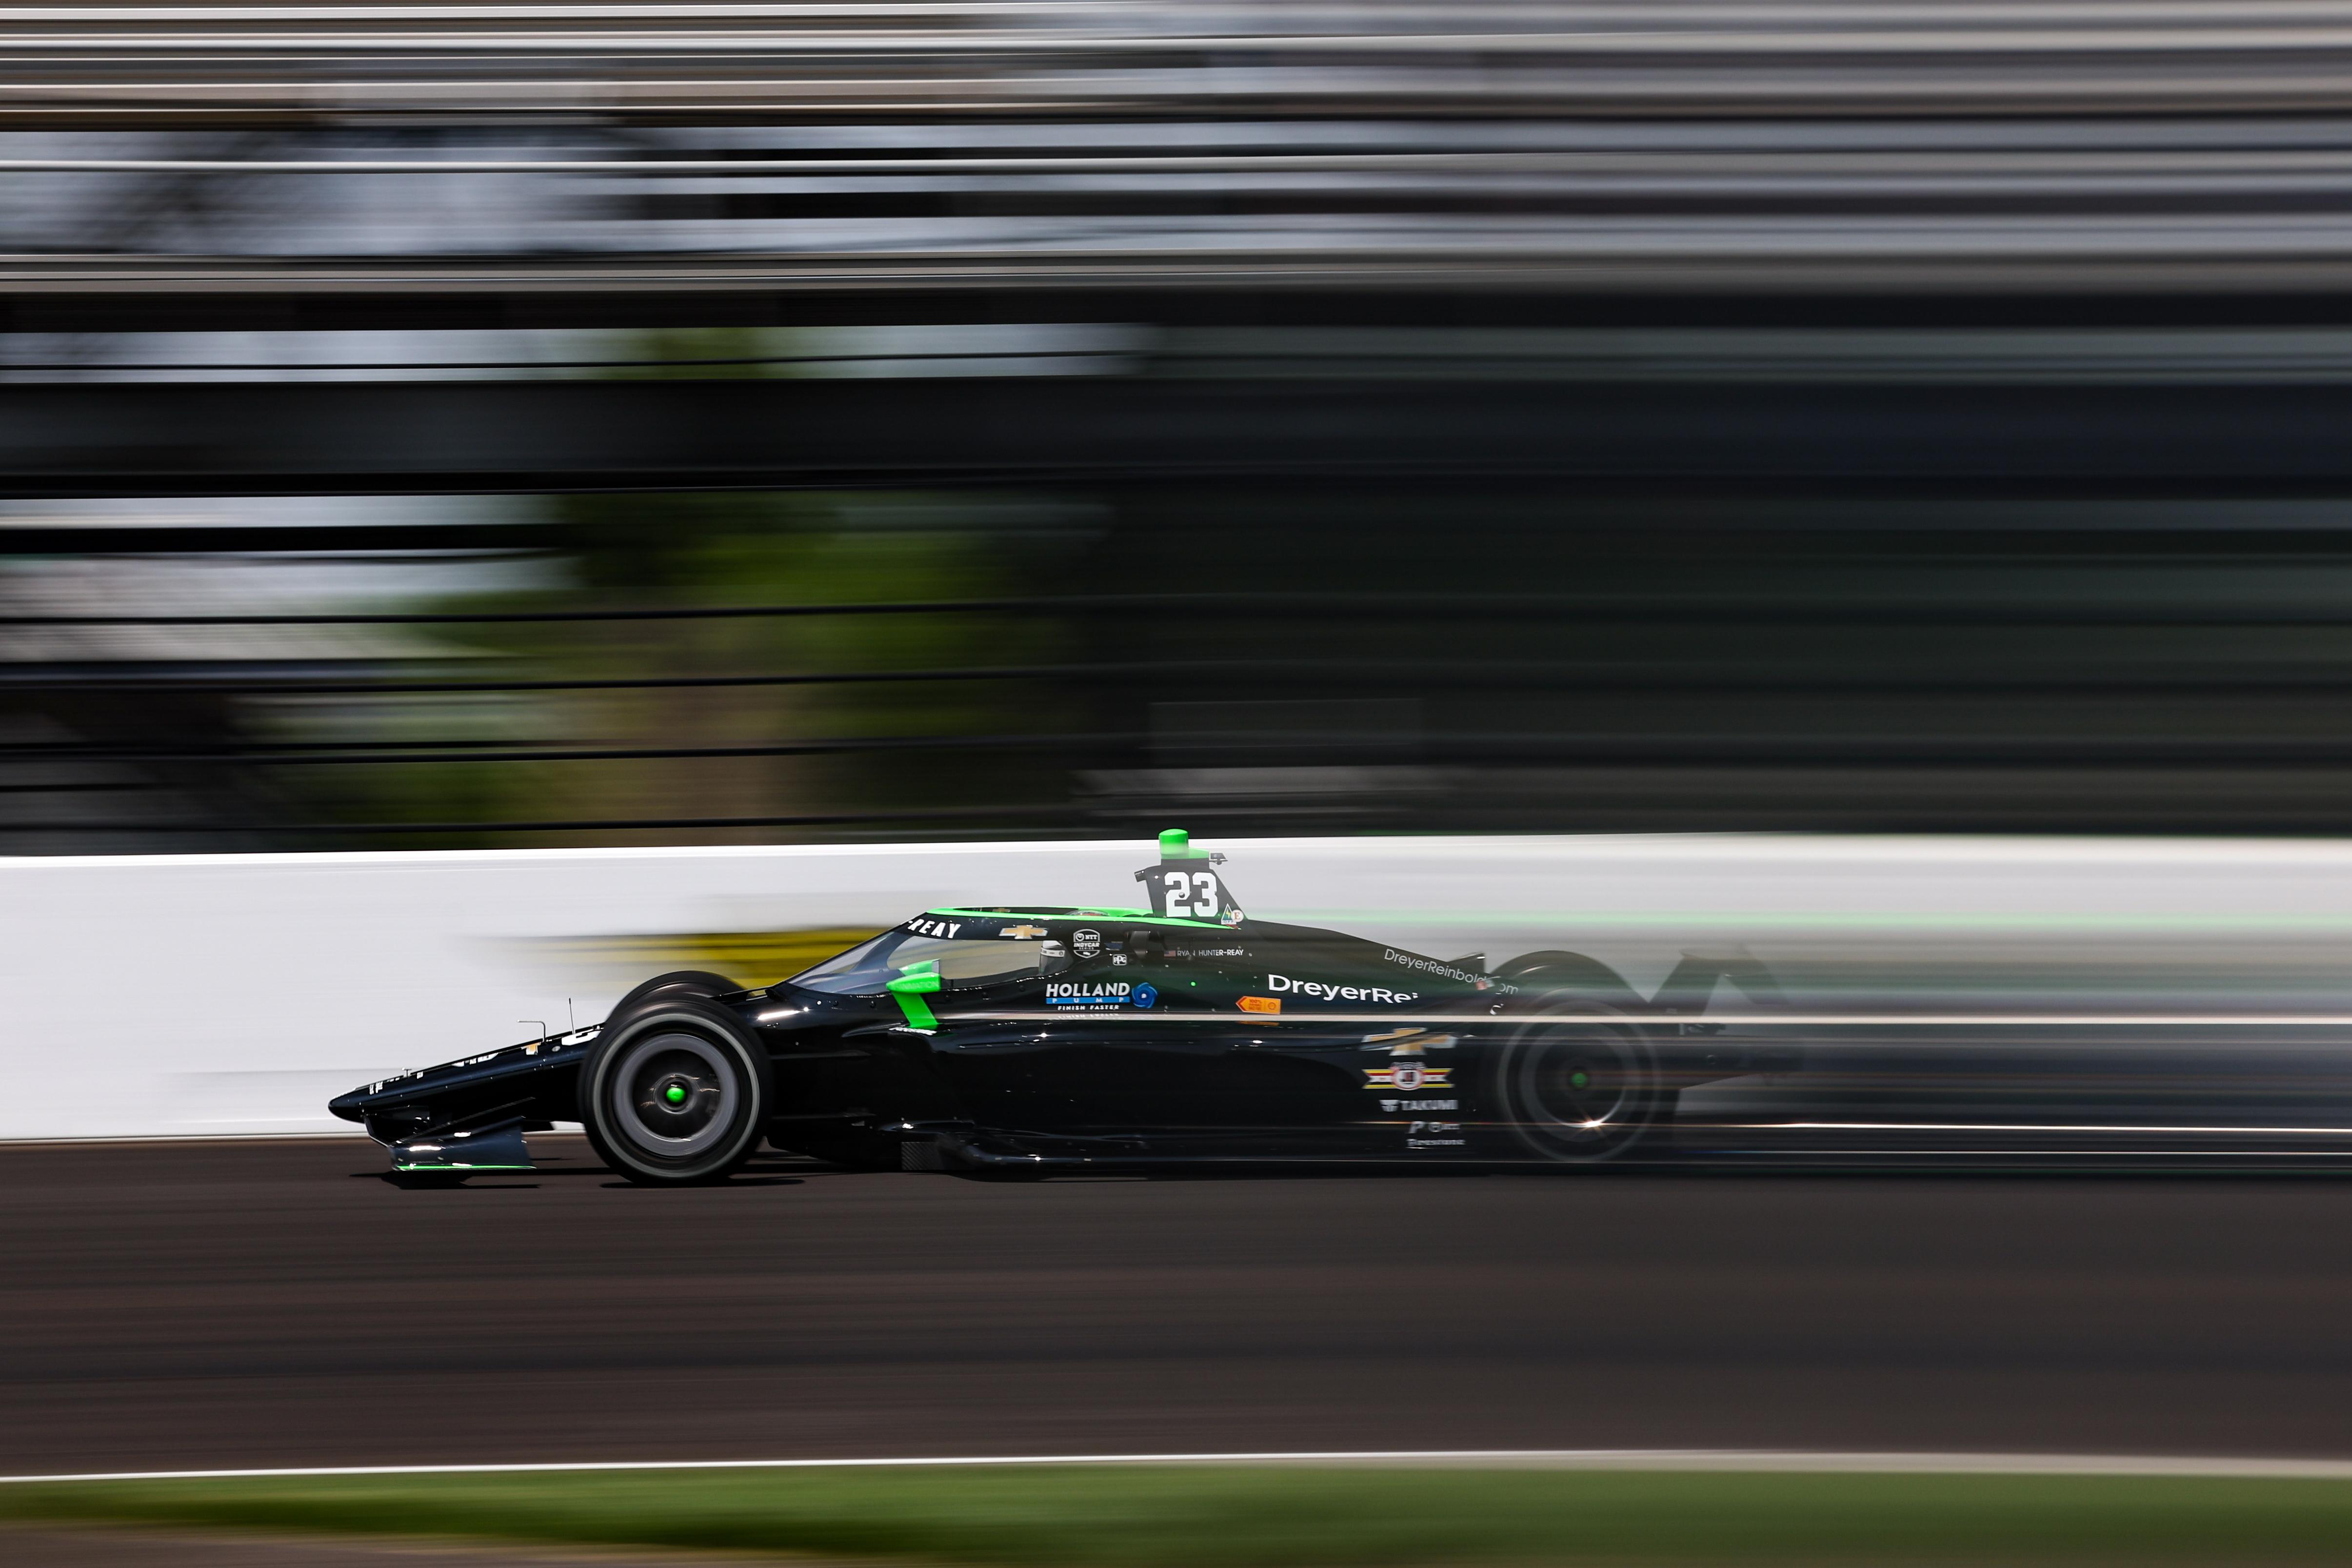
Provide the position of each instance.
(1544, 977)
(674, 1095)
(1579, 1084)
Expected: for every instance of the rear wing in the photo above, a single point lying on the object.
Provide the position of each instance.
(1185, 887)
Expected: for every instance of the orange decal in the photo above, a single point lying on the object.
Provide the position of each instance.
(1260, 1004)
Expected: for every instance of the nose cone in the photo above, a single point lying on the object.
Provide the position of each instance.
(348, 1106)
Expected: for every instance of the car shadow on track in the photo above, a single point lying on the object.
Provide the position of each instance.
(560, 1170)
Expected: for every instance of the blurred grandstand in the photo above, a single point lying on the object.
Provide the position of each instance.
(814, 420)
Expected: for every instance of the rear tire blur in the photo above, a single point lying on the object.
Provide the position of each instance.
(1544, 977)
(1579, 1085)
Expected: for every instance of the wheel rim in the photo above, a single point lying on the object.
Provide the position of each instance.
(1581, 1089)
(674, 1093)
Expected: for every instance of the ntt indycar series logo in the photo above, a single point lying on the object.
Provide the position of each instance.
(1099, 995)
(1281, 983)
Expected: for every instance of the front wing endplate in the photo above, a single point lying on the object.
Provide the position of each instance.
(499, 1148)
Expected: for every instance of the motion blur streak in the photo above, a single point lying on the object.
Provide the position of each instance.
(807, 438)
(1147, 145)
(1764, 1460)
(838, 1315)
(1063, 419)
(2027, 1128)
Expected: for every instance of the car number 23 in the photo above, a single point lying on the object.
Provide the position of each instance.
(1192, 893)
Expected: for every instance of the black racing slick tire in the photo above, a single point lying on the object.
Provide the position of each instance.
(685, 983)
(1540, 977)
(675, 1092)
(1578, 1084)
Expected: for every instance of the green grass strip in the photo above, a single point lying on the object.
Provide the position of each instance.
(1286, 1516)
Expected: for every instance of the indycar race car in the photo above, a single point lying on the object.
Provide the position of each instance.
(1021, 1042)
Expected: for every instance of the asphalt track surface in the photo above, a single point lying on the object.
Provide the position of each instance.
(182, 1306)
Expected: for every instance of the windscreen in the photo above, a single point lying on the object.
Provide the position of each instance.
(865, 968)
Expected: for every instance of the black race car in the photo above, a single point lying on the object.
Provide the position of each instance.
(1020, 1042)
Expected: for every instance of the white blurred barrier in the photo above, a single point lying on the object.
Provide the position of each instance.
(213, 995)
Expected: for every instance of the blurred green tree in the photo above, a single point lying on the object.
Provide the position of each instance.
(716, 550)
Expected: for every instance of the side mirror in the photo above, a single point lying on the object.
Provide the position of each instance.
(919, 981)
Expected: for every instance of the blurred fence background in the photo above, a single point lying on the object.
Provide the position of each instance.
(469, 425)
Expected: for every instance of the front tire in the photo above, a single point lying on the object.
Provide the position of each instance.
(1579, 1084)
(686, 984)
(674, 1096)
